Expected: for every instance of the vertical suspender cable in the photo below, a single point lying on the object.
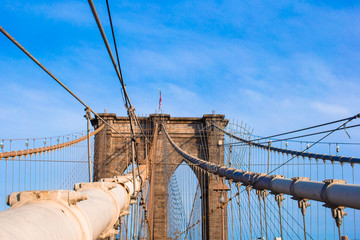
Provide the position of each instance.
(88, 143)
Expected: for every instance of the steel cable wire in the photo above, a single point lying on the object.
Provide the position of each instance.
(295, 137)
(98, 22)
(56, 79)
(316, 126)
(183, 153)
(302, 153)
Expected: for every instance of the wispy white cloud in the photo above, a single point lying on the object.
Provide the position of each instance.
(74, 12)
(26, 112)
(271, 64)
(331, 109)
(253, 95)
(181, 93)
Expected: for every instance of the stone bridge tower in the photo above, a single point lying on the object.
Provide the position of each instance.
(193, 135)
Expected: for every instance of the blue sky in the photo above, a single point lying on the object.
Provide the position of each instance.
(277, 65)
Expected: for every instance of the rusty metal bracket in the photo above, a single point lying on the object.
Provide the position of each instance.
(111, 232)
(248, 189)
(338, 214)
(303, 204)
(279, 198)
(126, 211)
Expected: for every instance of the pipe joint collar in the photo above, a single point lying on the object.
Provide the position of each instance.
(255, 181)
(121, 180)
(293, 184)
(325, 188)
(70, 197)
(247, 178)
(105, 186)
(271, 182)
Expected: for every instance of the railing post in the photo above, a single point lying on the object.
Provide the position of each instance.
(88, 115)
(268, 160)
(249, 157)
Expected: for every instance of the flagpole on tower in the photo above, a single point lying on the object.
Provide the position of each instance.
(159, 100)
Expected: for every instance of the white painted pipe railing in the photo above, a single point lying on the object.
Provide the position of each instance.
(90, 211)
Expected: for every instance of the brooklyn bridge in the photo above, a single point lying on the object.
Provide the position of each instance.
(160, 176)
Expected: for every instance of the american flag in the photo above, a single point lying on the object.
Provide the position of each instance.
(159, 99)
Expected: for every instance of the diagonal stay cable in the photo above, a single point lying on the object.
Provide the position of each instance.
(188, 157)
(295, 137)
(302, 153)
(118, 61)
(322, 138)
(130, 109)
(205, 167)
(317, 133)
(308, 147)
(119, 74)
(210, 213)
(40, 65)
(53, 77)
(299, 152)
(116, 50)
(307, 128)
(192, 208)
